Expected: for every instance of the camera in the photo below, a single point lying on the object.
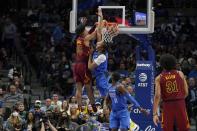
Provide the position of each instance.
(44, 118)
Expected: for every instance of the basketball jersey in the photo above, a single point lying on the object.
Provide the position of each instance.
(119, 102)
(172, 86)
(102, 68)
(82, 51)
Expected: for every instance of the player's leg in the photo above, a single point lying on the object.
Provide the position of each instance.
(124, 117)
(79, 86)
(168, 117)
(113, 122)
(88, 85)
(102, 85)
(182, 120)
(78, 73)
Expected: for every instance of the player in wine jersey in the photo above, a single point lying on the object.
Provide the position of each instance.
(117, 100)
(81, 73)
(171, 87)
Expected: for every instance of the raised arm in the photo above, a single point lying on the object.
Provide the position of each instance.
(130, 98)
(100, 25)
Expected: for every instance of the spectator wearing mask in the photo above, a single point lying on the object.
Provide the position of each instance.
(47, 105)
(14, 122)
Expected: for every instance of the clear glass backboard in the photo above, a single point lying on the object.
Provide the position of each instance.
(132, 16)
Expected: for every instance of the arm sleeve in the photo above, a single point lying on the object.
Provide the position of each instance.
(131, 99)
(100, 59)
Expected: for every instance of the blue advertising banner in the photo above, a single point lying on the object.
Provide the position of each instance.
(144, 91)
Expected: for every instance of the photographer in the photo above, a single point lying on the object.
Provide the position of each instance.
(64, 123)
(47, 126)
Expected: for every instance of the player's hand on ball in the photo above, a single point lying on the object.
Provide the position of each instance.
(156, 120)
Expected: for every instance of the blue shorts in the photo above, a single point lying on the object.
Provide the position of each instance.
(102, 84)
(119, 119)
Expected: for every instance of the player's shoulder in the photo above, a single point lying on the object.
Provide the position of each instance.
(181, 74)
(102, 57)
(158, 77)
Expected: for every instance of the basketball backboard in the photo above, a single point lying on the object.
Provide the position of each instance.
(132, 16)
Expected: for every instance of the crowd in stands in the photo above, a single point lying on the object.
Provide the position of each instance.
(43, 33)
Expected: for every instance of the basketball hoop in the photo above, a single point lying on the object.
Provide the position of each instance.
(109, 31)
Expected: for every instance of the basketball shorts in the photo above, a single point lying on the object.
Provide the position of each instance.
(102, 84)
(174, 113)
(119, 119)
(81, 73)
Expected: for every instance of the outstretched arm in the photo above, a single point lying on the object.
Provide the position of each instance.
(130, 98)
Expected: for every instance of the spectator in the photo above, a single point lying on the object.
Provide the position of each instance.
(9, 34)
(30, 124)
(11, 99)
(21, 111)
(56, 101)
(58, 33)
(64, 121)
(47, 105)
(38, 114)
(122, 70)
(193, 72)
(74, 114)
(1, 121)
(3, 58)
(1, 94)
(65, 106)
(192, 103)
(14, 122)
(47, 126)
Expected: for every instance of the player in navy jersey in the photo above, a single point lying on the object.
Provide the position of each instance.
(117, 100)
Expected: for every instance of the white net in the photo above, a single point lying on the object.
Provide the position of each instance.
(109, 32)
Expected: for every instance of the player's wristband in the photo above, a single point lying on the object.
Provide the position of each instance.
(154, 114)
(132, 99)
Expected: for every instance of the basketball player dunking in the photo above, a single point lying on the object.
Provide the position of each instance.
(81, 73)
(171, 87)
